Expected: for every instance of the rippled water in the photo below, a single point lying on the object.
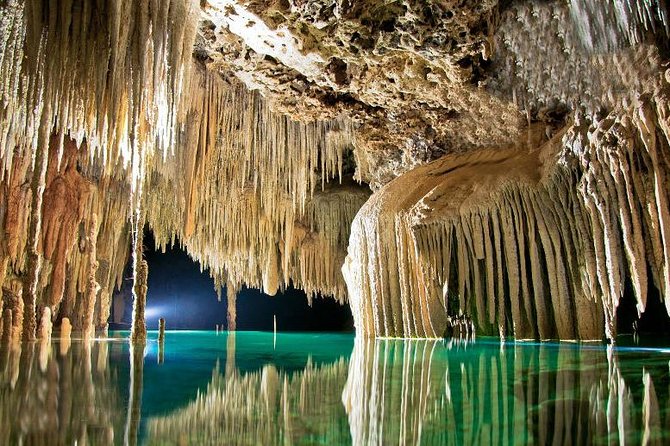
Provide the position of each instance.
(253, 388)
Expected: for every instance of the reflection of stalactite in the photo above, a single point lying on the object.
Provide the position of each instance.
(534, 244)
(53, 399)
(230, 354)
(135, 397)
(269, 407)
(368, 401)
(418, 392)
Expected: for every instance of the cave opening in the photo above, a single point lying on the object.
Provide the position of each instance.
(654, 321)
(185, 295)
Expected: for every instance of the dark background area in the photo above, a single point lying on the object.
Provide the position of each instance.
(179, 292)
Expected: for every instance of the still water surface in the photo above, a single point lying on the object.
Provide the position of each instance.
(313, 389)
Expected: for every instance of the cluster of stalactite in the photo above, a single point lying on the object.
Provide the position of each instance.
(258, 199)
(409, 393)
(270, 406)
(101, 117)
(81, 256)
(582, 44)
(530, 243)
(56, 395)
(110, 73)
(90, 91)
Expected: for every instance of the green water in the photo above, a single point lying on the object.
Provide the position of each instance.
(311, 389)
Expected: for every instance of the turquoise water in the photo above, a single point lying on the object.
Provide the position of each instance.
(255, 388)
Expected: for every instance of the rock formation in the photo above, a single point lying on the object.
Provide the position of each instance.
(516, 153)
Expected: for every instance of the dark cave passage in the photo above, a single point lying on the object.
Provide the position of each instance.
(185, 296)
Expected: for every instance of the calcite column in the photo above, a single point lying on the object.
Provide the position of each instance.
(140, 274)
(34, 263)
(231, 293)
(92, 286)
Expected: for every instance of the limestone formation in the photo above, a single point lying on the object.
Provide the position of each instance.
(65, 336)
(44, 332)
(92, 286)
(231, 305)
(516, 152)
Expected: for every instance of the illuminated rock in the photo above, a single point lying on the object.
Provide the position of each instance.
(517, 152)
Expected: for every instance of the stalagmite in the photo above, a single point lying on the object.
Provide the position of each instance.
(44, 331)
(161, 340)
(139, 327)
(65, 333)
(161, 330)
(14, 304)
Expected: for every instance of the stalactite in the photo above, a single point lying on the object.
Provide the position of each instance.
(253, 165)
(90, 74)
(92, 287)
(271, 273)
(231, 302)
(105, 96)
(543, 240)
(34, 262)
(140, 276)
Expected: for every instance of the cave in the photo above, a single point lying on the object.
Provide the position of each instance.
(334, 221)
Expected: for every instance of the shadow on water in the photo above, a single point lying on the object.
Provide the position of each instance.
(253, 388)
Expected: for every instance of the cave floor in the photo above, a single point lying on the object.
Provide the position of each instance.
(203, 387)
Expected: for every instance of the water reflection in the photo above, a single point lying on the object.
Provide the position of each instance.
(200, 388)
(421, 392)
(49, 398)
